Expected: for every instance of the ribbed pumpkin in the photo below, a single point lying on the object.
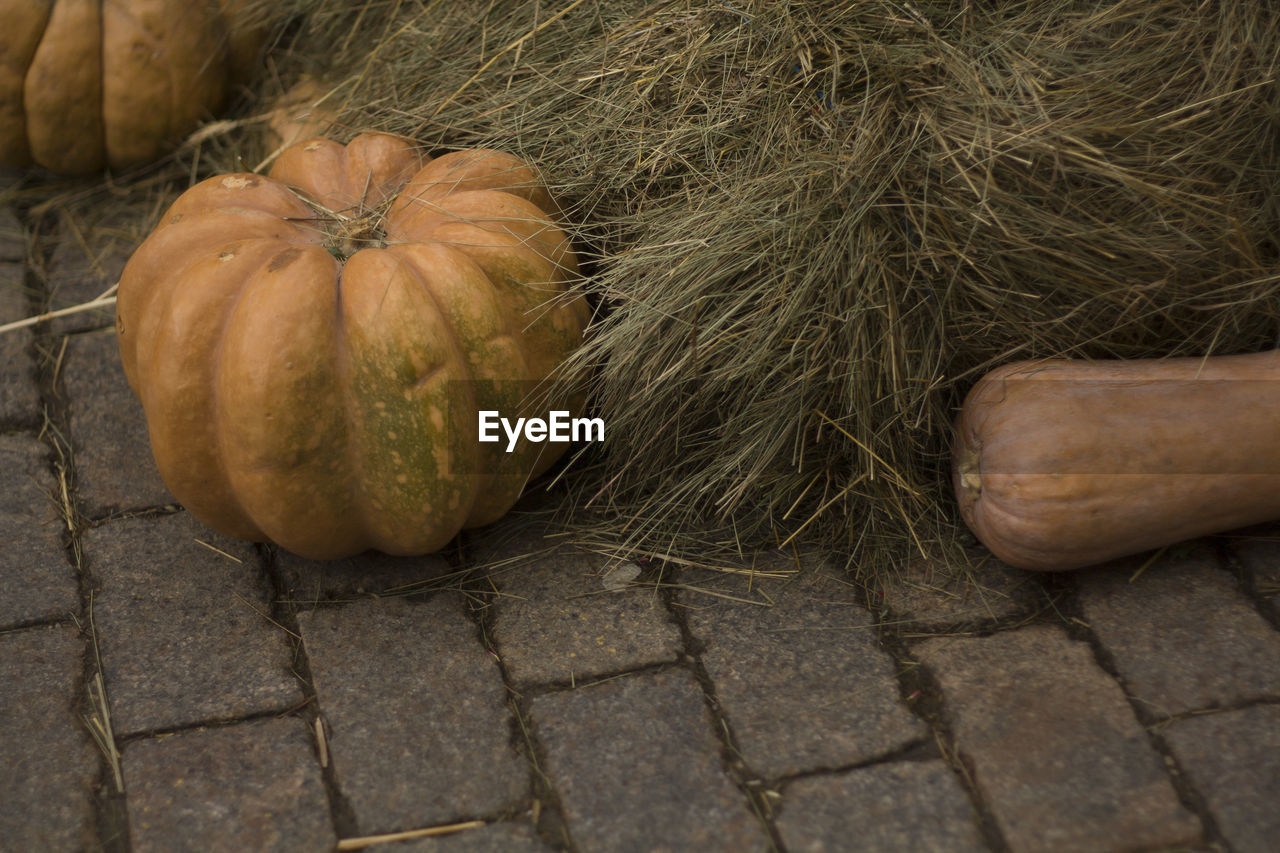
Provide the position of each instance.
(311, 348)
(86, 84)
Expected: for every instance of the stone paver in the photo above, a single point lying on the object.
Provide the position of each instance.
(1260, 556)
(641, 722)
(50, 765)
(308, 582)
(910, 805)
(927, 597)
(13, 239)
(804, 684)
(1233, 759)
(1056, 751)
(89, 250)
(490, 838)
(420, 729)
(114, 466)
(251, 786)
(637, 767)
(557, 620)
(19, 396)
(182, 629)
(36, 579)
(420, 732)
(1182, 636)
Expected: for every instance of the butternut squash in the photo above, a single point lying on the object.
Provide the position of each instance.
(1064, 464)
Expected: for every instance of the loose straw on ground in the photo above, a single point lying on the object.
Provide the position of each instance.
(104, 300)
(390, 837)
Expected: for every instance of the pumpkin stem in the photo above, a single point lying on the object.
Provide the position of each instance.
(348, 231)
(349, 235)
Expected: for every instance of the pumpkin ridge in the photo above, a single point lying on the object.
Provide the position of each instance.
(241, 191)
(480, 169)
(215, 395)
(489, 488)
(167, 251)
(173, 275)
(121, 29)
(279, 420)
(463, 220)
(406, 260)
(63, 105)
(345, 372)
(327, 175)
(27, 24)
(383, 401)
(229, 500)
(158, 304)
(357, 467)
(539, 234)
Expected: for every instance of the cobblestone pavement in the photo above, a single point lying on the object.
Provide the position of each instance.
(165, 688)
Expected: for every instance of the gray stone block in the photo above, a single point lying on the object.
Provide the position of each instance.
(420, 732)
(1182, 635)
(19, 395)
(88, 249)
(1057, 754)
(20, 406)
(183, 629)
(114, 466)
(252, 786)
(885, 808)
(804, 683)
(1259, 553)
(557, 618)
(309, 582)
(928, 597)
(1233, 759)
(50, 765)
(36, 579)
(638, 767)
(13, 238)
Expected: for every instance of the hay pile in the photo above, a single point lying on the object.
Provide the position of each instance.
(812, 225)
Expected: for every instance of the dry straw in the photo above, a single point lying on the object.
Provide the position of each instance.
(812, 225)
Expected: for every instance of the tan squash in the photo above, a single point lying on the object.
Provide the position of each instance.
(1064, 464)
(311, 348)
(86, 84)
(304, 111)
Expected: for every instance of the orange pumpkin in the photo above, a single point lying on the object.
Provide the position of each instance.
(311, 348)
(86, 84)
(1064, 464)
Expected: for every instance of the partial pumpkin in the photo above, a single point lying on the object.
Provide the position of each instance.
(86, 84)
(311, 348)
(304, 111)
(1064, 464)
